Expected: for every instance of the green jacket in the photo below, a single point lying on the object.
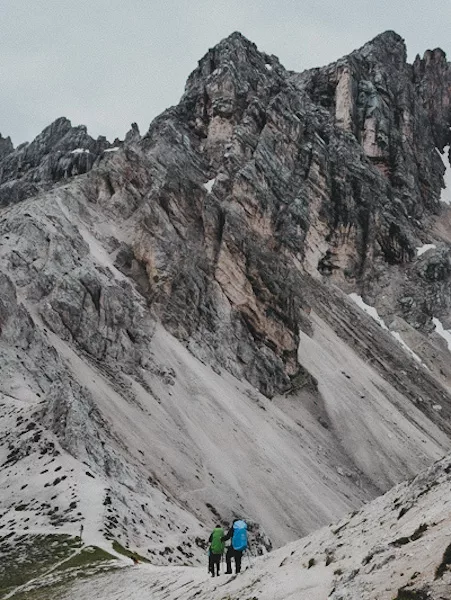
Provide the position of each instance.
(216, 545)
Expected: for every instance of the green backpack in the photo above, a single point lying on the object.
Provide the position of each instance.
(216, 546)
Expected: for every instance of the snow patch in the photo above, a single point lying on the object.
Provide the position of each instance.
(446, 192)
(209, 185)
(268, 67)
(370, 310)
(422, 249)
(80, 151)
(115, 149)
(444, 333)
(399, 339)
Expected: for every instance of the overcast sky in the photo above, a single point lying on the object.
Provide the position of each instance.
(106, 63)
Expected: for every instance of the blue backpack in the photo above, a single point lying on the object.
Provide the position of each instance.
(239, 537)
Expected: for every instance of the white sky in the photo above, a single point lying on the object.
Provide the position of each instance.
(106, 63)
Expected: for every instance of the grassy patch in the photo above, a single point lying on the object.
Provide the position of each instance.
(29, 556)
(59, 582)
(126, 552)
(90, 555)
(89, 562)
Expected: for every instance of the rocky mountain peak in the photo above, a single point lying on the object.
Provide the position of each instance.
(435, 57)
(232, 79)
(235, 50)
(133, 136)
(59, 151)
(6, 146)
(52, 134)
(387, 49)
(432, 79)
(236, 40)
(234, 63)
(386, 43)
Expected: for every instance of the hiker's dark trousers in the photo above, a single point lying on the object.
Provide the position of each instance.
(214, 561)
(236, 554)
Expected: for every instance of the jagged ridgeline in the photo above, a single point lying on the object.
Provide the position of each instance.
(182, 339)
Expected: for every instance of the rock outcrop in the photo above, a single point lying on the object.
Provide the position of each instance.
(6, 146)
(59, 152)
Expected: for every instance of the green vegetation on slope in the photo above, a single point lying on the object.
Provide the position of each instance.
(90, 555)
(126, 552)
(26, 557)
(48, 563)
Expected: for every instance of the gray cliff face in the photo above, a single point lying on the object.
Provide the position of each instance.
(332, 173)
(59, 152)
(238, 223)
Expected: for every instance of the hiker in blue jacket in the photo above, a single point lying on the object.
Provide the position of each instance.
(238, 536)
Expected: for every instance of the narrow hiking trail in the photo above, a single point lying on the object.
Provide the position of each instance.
(143, 582)
(193, 583)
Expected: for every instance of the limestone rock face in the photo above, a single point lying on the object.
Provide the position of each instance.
(260, 178)
(233, 83)
(59, 152)
(331, 173)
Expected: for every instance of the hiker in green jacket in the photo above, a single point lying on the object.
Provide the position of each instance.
(216, 550)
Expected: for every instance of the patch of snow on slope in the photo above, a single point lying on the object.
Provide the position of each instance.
(54, 489)
(268, 67)
(115, 149)
(446, 192)
(209, 185)
(445, 333)
(80, 151)
(372, 312)
(399, 339)
(422, 249)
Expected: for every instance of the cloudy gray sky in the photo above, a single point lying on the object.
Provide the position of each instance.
(106, 63)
